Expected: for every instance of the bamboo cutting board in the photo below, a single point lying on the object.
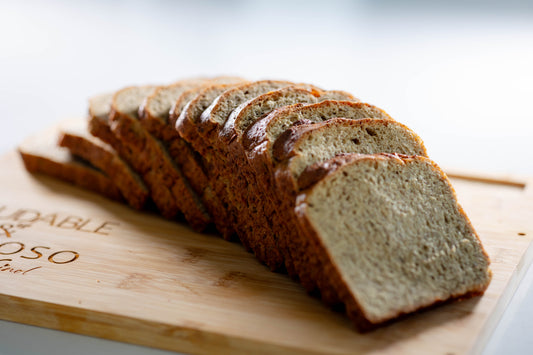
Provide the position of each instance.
(77, 262)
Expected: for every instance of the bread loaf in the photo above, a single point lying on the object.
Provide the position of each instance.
(314, 182)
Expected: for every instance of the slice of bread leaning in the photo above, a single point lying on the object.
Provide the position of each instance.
(390, 235)
(76, 138)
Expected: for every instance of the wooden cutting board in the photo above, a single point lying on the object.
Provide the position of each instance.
(77, 262)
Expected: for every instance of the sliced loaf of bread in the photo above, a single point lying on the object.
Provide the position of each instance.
(410, 243)
(75, 137)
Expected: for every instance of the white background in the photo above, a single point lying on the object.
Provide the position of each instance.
(459, 73)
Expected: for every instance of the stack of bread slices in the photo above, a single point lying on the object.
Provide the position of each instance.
(315, 183)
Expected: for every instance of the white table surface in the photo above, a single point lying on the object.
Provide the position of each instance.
(458, 73)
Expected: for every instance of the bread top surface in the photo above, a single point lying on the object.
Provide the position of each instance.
(303, 145)
(410, 243)
(190, 115)
(100, 106)
(225, 103)
(265, 131)
(127, 101)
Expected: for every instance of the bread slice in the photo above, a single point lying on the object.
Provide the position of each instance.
(307, 144)
(168, 187)
(75, 137)
(41, 154)
(391, 236)
(245, 195)
(259, 172)
(186, 124)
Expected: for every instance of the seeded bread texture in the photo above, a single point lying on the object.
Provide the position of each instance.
(41, 154)
(169, 189)
(75, 137)
(411, 244)
(282, 165)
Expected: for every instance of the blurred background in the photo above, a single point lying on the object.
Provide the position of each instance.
(459, 73)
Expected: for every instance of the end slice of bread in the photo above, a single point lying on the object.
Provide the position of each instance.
(391, 236)
(41, 154)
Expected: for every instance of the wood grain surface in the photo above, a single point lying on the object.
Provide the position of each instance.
(75, 261)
